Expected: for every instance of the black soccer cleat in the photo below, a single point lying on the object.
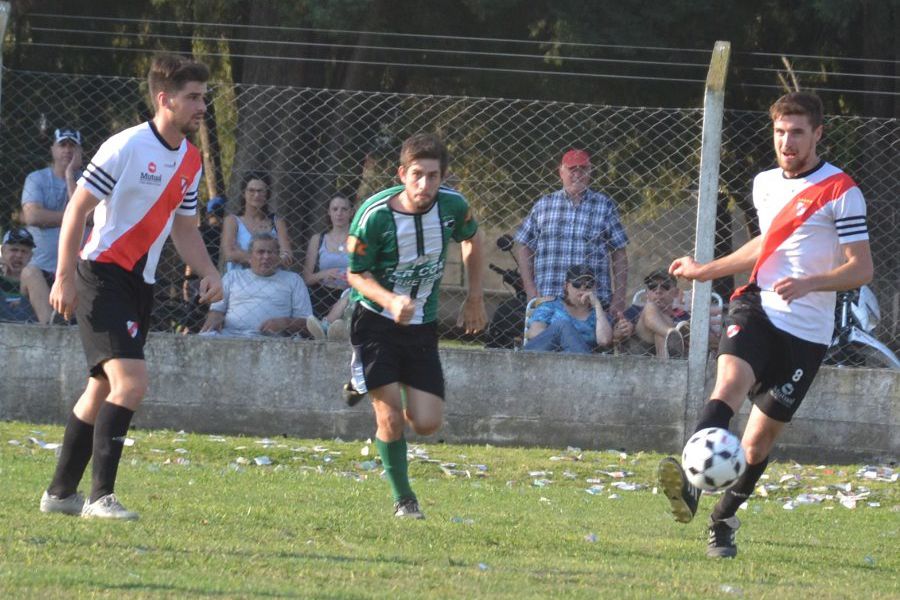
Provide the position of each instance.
(683, 497)
(721, 538)
(350, 395)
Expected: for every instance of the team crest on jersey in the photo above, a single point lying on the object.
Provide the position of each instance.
(184, 185)
(151, 167)
(802, 205)
(355, 246)
(449, 222)
(733, 330)
(133, 329)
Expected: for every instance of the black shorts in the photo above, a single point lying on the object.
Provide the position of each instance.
(384, 352)
(784, 365)
(113, 313)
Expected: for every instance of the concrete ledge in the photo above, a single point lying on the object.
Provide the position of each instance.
(273, 386)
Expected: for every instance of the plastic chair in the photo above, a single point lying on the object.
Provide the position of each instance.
(529, 311)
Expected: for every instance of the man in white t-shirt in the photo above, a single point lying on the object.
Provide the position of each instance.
(814, 242)
(261, 300)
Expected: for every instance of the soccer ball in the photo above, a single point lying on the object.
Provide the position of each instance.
(713, 459)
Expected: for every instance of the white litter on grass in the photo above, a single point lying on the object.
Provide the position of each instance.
(15, 443)
(541, 483)
(262, 460)
(483, 566)
(241, 460)
(613, 496)
(591, 538)
(44, 445)
(266, 442)
(594, 490)
(180, 451)
(364, 451)
(539, 473)
(626, 487)
(216, 438)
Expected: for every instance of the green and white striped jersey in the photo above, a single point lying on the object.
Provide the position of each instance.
(406, 252)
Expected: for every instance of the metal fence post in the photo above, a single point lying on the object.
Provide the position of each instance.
(711, 143)
(4, 19)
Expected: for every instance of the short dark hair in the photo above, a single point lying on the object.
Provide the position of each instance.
(424, 145)
(169, 73)
(798, 103)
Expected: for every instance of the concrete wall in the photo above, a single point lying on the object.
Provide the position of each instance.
(270, 387)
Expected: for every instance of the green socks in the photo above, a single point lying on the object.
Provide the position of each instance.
(393, 458)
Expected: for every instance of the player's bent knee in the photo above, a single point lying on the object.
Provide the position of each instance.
(426, 427)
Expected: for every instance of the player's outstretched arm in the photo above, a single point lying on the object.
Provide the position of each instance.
(473, 317)
(189, 244)
(739, 261)
(62, 294)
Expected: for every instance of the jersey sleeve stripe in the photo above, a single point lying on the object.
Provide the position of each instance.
(852, 232)
(856, 218)
(95, 171)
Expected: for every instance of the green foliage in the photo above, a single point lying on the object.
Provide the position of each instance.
(317, 523)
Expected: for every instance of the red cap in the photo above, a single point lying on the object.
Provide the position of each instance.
(576, 158)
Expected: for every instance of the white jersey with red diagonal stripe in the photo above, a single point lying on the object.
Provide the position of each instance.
(141, 183)
(804, 220)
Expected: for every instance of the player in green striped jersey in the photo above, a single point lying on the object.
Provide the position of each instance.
(398, 248)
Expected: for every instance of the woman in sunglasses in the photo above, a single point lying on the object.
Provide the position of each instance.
(573, 322)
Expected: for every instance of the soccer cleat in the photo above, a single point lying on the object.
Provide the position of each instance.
(721, 538)
(674, 345)
(351, 396)
(107, 507)
(682, 496)
(70, 505)
(337, 331)
(684, 328)
(315, 328)
(408, 508)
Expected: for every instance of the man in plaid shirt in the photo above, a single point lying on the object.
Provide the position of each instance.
(574, 225)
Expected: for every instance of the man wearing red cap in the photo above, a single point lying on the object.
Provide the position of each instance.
(574, 225)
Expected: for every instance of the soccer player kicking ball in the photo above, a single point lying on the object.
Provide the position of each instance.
(141, 184)
(814, 242)
(398, 248)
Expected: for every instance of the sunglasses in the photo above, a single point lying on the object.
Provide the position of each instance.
(582, 284)
(665, 285)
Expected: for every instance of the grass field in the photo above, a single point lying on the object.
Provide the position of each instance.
(501, 522)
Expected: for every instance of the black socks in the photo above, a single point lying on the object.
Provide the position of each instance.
(715, 413)
(74, 456)
(109, 438)
(738, 493)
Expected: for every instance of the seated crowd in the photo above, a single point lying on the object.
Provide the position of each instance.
(584, 312)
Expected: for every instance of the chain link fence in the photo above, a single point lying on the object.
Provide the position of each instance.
(314, 144)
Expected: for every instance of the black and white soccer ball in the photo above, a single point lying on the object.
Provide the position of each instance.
(713, 459)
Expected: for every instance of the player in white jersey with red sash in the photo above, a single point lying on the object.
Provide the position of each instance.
(814, 242)
(142, 186)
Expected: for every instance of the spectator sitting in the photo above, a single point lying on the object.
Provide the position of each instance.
(23, 289)
(574, 322)
(325, 264)
(334, 324)
(574, 225)
(658, 323)
(256, 216)
(211, 232)
(45, 195)
(261, 300)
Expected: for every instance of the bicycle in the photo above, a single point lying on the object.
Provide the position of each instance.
(853, 345)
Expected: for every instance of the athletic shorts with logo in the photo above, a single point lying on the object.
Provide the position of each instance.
(113, 312)
(784, 365)
(384, 352)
